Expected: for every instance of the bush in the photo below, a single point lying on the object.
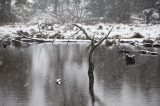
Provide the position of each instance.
(137, 35)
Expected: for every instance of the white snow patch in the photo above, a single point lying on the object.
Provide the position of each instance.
(125, 30)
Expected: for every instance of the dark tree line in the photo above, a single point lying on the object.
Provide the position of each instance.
(110, 10)
(140, 5)
(5, 10)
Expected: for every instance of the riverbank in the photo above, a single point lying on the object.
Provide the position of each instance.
(68, 31)
(134, 34)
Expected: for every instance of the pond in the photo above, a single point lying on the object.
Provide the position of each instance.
(28, 75)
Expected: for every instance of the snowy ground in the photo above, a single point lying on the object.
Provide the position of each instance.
(124, 30)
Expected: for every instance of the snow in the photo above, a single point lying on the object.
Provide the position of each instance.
(30, 1)
(125, 30)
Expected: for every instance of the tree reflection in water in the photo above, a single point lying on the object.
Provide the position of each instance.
(91, 82)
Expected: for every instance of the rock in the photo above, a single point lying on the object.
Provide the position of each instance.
(153, 53)
(148, 41)
(156, 45)
(122, 41)
(143, 52)
(102, 33)
(100, 27)
(148, 45)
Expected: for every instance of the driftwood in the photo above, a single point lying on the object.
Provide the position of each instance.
(30, 39)
(18, 43)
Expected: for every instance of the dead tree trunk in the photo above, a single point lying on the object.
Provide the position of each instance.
(91, 65)
(94, 44)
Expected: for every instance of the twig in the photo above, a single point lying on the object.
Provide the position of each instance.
(75, 33)
(102, 39)
(55, 38)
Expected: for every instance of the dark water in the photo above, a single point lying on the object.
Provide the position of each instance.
(27, 77)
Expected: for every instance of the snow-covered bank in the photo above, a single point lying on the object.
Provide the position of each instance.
(97, 30)
(124, 30)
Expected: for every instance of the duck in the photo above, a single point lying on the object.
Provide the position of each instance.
(58, 81)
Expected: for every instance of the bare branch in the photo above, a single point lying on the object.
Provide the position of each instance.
(102, 39)
(82, 29)
(75, 33)
(34, 39)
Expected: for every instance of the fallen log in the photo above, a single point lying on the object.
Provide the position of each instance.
(18, 43)
(31, 39)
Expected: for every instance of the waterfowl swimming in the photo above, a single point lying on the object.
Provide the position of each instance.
(58, 81)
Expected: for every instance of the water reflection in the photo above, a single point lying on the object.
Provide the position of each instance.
(28, 77)
(91, 81)
(40, 64)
